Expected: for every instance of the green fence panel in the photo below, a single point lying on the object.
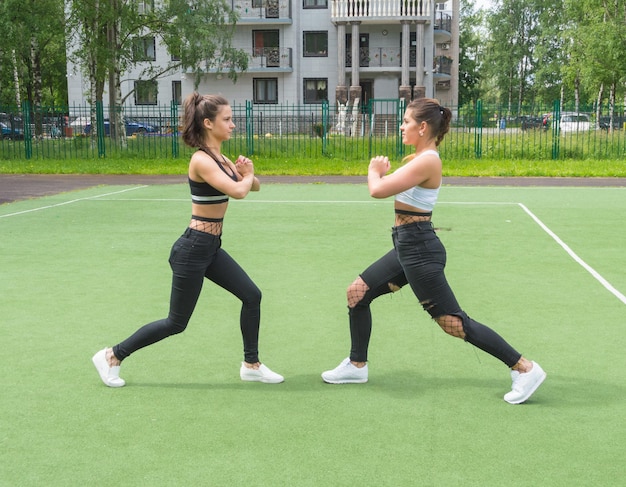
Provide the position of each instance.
(293, 131)
(478, 131)
(172, 128)
(556, 140)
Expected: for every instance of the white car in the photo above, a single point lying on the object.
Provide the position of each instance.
(78, 125)
(574, 122)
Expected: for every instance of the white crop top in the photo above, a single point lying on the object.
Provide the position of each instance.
(422, 198)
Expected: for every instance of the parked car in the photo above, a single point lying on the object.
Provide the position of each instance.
(574, 122)
(528, 122)
(79, 124)
(132, 126)
(12, 133)
(618, 122)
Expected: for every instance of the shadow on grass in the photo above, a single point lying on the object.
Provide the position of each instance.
(557, 391)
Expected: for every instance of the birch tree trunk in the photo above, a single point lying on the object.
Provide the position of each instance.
(16, 80)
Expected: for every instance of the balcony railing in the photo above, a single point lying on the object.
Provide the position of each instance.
(443, 22)
(259, 10)
(443, 66)
(259, 59)
(389, 58)
(270, 57)
(346, 10)
(381, 57)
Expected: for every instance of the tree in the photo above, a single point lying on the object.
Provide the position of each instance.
(514, 32)
(598, 53)
(105, 35)
(550, 53)
(469, 55)
(34, 41)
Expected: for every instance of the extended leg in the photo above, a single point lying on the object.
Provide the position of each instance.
(462, 326)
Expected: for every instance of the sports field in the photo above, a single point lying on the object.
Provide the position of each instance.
(544, 266)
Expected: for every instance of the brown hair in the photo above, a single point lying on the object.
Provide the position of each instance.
(430, 111)
(196, 108)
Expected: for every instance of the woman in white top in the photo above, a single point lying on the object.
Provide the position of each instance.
(418, 257)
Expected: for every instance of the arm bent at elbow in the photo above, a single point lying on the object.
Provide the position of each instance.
(376, 181)
(376, 186)
(256, 185)
(243, 187)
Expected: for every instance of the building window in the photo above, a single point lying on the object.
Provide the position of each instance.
(146, 92)
(265, 90)
(264, 40)
(314, 3)
(315, 90)
(145, 6)
(315, 44)
(177, 92)
(144, 49)
(266, 43)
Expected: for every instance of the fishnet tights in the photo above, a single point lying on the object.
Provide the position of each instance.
(356, 291)
(405, 219)
(452, 325)
(214, 228)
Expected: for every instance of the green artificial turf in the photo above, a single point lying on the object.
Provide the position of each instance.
(83, 270)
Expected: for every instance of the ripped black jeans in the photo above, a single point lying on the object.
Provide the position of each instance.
(418, 259)
(195, 256)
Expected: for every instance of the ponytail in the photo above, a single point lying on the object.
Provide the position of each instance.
(197, 108)
(436, 116)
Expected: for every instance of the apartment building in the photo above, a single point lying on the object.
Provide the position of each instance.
(308, 51)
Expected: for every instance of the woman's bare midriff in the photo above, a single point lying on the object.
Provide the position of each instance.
(406, 219)
(216, 212)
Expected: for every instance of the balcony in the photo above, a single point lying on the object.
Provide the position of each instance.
(443, 22)
(255, 12)
(442, 27)
(442, 68)
(385, 58)
(380, 11)
(262, 60)
(377, 59)
(272, 59)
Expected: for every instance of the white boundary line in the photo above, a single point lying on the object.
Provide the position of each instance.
(70, 202)
(573, 255)
(321, 202)
(563, 245)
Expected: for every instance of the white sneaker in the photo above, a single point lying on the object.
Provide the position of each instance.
(262, 374)
(346, 373)
(109, 375)
(524, 384)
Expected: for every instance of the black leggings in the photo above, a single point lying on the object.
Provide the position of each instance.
(419, 259)
(197, 255)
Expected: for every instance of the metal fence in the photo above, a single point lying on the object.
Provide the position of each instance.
(314, 131)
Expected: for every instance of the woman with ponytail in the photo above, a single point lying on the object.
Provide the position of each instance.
(418, 257)
(198, 253)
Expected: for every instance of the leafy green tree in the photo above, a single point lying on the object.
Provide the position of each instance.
(104, 35)
(32, 52)
(470, 42)
(550, 53)
(199, 35)
(598, 54)
(513, 26)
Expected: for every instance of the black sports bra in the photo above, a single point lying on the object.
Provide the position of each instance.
(202, 193)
